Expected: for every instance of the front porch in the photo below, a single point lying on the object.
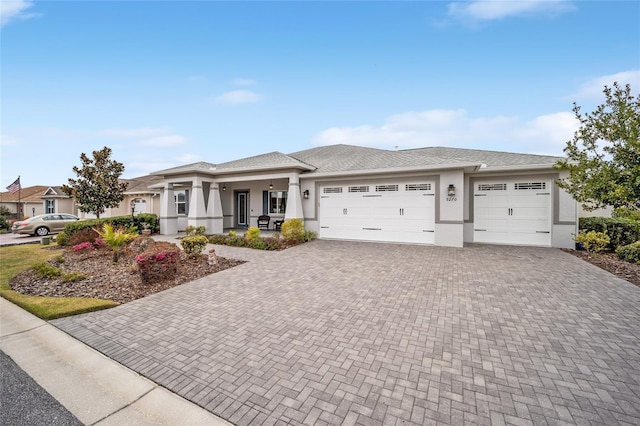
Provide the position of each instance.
(228, 203)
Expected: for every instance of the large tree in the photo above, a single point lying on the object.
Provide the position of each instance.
(603, 158)
(98, 186)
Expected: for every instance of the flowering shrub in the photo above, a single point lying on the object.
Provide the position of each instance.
(159, 261)
(99, 242)
(83, 246)
(252, 234)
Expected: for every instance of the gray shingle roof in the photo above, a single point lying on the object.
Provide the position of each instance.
(350, 158)
(269, 160)
(346, 158)
(490, 158)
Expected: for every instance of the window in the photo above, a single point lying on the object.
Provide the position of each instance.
(182, 202)
(333, 190)
(386, 188)
(361, 188)
(49, 206)
(417, 187)
(277, 202)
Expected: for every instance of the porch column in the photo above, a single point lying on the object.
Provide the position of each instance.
(294, 200)
(168, 216)
(197, 212)
(215, 219)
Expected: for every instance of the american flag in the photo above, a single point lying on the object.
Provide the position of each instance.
(15, 186)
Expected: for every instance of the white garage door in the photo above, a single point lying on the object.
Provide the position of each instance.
(393, 212)
(512, 212)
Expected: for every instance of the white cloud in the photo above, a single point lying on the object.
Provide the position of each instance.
(14, 9)
(545, 134)
(244, 82)
(164, 141)
(238, 97)
(592, 89)
(489, 10)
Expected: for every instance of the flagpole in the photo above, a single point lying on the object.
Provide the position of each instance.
(19, 189)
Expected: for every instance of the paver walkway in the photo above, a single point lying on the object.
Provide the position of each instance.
(357, 333)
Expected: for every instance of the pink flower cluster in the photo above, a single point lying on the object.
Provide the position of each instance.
(87, 245)
(158, 262)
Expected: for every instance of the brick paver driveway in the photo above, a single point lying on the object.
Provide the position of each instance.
(356, 333)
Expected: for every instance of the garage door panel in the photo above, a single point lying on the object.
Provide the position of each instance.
(379, 213)
(512, 211)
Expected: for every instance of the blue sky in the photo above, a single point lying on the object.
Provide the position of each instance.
(174, 82)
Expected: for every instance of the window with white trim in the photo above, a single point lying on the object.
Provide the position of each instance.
(49, 206)
(277, 202)
(182, 202)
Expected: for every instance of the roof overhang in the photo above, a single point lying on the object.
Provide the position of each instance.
(467, 167)
(523, 167)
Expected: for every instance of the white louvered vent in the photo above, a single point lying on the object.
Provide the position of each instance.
(332, 190)
(492, 187)
(531, 185)
(361, 188)
(386, 188)
(417, 187)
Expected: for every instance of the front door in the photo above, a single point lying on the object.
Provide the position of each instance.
(242, 209)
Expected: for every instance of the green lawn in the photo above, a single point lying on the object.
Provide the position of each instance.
(14, 259)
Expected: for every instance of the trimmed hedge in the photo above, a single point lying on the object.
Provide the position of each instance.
(630, 252)
(621, 231)
(116, 221)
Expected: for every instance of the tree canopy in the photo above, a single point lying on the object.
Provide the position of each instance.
(603, 158)
(98, 186)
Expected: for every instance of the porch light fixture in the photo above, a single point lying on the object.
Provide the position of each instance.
(451, 191)
(224, 187)
(271, 185)
(305, 194)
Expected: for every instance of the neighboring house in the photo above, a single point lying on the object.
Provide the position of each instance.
(56, 201)
(138, 196)
(35, 200)
(441, 196)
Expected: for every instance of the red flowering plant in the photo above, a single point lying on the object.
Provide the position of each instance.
(83, 246)
(158, 262)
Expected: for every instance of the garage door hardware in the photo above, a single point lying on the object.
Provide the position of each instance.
(372, 229)
(543, 232)
(374, 195)
(428, 230)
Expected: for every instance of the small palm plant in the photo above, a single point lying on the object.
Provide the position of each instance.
(116, 238)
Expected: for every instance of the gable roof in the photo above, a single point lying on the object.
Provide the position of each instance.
(268, 161)
(30, 194)
(54, 192)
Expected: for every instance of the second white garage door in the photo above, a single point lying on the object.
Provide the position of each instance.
(512, 211)
(393, 212)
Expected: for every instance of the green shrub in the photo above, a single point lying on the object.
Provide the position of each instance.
(621, 231)
(73, 276)
(62, 239)
(257, 244)
(4, 223)
(194, 244)
(218, 239)
(232, 233)
(158, 262)
(150, 218)
(629, 252)
(293, 230)
(118, 221)
(195, 230)
(45, 270)
(236, 241)
(596, 242)
(309, 236)
(252, 234)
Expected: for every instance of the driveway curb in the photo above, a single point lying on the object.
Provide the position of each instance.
(94, 388)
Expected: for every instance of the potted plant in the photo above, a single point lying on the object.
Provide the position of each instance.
(146, 228)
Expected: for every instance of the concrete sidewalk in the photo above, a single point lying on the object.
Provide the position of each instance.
(94, 388)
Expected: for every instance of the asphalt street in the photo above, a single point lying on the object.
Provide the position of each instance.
(25, 403)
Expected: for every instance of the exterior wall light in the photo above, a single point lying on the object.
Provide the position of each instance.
(451, 191)
(224, 187)
(305, 194)
(271, 185)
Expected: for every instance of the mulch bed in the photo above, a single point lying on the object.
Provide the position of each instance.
(119, 281)
(611, 263)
